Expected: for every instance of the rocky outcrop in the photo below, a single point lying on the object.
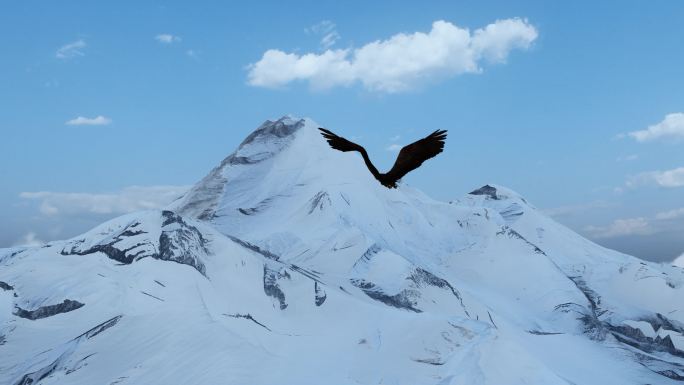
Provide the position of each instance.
(49, 310)
(178, 242)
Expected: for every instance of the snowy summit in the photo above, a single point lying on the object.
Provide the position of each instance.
(271, 270)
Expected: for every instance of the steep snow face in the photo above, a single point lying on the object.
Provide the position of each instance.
(289, 263)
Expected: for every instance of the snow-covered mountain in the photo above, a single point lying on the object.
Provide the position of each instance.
(290, 264)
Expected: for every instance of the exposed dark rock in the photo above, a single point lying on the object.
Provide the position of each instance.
(6, 286)
(153, 296)
(423, 277)
(636, 338)
(319, 201)
(234, 160)
(254, 248)
(120, 255)
(512, 213)
(182, 244)
(307, 273)
(491, 319)
(79, 364)
(259, 207)
(279, 129)
(101, 327)
(132, 233)
(248, 211)
(11, 254)
(660, 321)
(48, 311)
(249, 317)
(406, 299)
(671, 374)
(320, 294)
(368, 254)
(598, 329)
(593, 326)
(514, 234)
(673, 370)
(486, 190)
(36, 376)
(271, 287)
(542, 333)
(429, 361)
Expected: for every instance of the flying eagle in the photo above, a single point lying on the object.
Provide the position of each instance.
(410, 157)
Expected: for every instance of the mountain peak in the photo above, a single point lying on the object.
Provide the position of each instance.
(281, 128)
(257, 151)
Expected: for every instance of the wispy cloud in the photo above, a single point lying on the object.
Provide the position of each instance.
(167, 38)
(71, 50)
(672, 127)
(328, 32)
(578, 208)
(627, 158)
(83, 121)
(29, 240)
(394, 147)
(668, 178)
(400, 63)
(670, 214)
(660, 222)
(621, 227)
(192, 53)
(127, 200)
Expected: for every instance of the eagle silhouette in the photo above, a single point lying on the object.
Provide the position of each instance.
(410, 157)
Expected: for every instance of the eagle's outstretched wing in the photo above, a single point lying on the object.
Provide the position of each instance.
(338, 142)
(413, 155)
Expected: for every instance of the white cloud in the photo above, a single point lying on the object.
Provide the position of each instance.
(71, 50)
(400, 63)
(671, 127)
(621, 227)
(329, 39)
(671, 214)
(192, 53)
(668, 178)
(328, 32)
(129, 199)
(29, 240)
(394, 147)
(83, 121)
(166, 38)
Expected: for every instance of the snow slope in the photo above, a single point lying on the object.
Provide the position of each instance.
(290, 264)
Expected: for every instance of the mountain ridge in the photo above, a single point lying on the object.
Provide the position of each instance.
(280, 264)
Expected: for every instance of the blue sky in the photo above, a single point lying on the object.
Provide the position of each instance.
(111, 107)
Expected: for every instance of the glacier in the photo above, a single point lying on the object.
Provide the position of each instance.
(273, 270)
